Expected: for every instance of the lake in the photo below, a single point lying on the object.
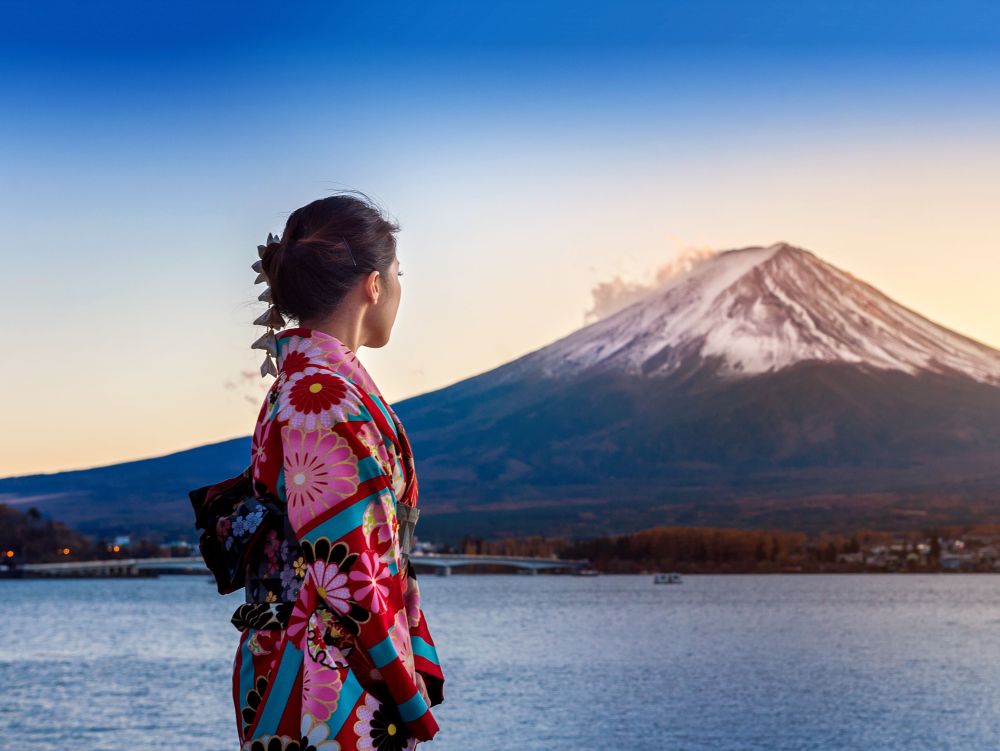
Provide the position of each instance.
(717, 663)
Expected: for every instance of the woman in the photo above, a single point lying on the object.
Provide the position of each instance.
(334, 652)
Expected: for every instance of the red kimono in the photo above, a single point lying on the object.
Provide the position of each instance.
(335, 653)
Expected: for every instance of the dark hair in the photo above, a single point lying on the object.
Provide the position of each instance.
(327, 245)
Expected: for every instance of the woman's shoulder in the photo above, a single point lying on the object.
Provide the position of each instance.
(314, 397)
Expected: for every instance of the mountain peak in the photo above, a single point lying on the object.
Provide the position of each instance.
(760, 309)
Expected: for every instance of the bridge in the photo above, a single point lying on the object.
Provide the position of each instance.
(443, 564)
(114, 567)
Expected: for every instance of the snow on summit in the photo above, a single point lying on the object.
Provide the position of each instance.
(760, 309)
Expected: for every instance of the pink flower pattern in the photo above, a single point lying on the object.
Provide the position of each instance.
(400, 635)
(371, 576)
(323, 420)
(319, 470)
(331, 585)
(320, 688)
(258, 448)
(330, 403)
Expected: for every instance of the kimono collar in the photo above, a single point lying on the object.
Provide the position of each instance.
(301, 346)
(313, 344)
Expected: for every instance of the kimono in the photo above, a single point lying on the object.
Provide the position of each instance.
(334, 652)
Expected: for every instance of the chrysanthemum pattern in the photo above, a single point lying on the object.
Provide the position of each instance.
(324, 448)
(321, 688)
(314, 398)
(315, 735)
(331, 586)
(381, 729)
(320, 470)
(370, 582)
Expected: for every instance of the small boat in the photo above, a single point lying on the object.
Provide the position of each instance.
(586, 572)
(669, 578)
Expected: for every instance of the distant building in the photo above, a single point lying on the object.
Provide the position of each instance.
(956, 562)
(176, 549)
(858, 557)
(980, 538)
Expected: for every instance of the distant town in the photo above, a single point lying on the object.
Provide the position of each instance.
(692, 550)
(28, 537)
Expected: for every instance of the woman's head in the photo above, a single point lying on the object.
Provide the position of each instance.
(337, 256)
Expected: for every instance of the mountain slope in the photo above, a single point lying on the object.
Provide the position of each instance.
(147, 497)
(760, 309)
(764, 387)
(762, 374)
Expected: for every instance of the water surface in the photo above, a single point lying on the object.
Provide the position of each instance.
(718, 663)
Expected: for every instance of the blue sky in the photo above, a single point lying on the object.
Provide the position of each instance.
(116, 30)
(529, 151)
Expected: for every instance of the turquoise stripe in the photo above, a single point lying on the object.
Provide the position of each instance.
(246, 669)
(365, 416)
(425, 650)
(281, 689)
(383, 653)
(350, 692)
(368, 467)
(413, 707)
(384, 411)
(344, 522)
(280, 486)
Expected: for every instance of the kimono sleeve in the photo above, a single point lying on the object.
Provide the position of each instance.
(336, 481)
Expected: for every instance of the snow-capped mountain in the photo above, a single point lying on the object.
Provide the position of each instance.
(763, 388)
(758, 310)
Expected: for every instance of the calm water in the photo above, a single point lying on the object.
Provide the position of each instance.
(546, 662)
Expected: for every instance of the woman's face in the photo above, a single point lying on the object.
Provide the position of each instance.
(383, 313)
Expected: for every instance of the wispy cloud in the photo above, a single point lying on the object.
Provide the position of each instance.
(250, 386)
(611, 296)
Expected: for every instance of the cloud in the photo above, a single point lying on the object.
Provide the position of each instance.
(610, 297)
(617, 294)
(250, 386)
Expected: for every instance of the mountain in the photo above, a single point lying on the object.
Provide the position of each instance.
(764, 387)
(147, 497)
(758, 310)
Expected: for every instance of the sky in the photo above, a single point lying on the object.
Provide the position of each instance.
(532, 153)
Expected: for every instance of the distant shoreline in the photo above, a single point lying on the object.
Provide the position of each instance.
(31, 576)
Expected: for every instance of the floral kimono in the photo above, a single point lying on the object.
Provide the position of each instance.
(334, 653)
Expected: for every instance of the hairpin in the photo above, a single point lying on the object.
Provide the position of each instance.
(349, 250)
(271, 317)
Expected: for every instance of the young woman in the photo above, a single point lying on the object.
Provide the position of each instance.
(335, 653)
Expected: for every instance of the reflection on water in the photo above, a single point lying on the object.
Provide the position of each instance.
(546, 662)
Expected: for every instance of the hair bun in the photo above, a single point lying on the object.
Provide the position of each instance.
(322, 252)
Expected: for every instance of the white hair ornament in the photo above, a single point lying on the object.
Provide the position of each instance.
(271, 317)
